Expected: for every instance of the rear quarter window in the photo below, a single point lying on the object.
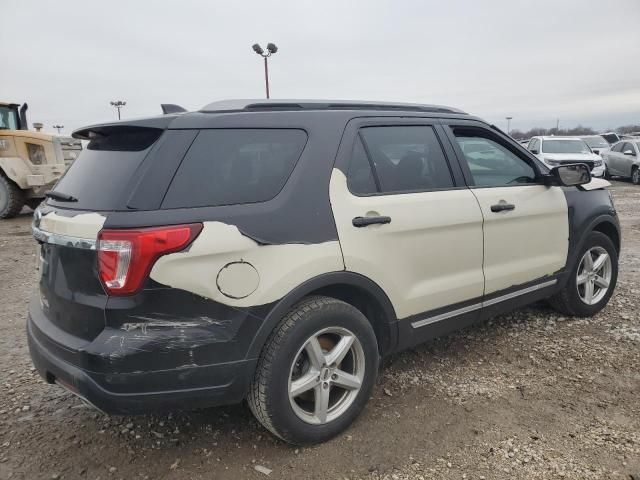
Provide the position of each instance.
(233, 166)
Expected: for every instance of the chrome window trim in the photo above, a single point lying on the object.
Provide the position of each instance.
(63, 240)
(478, 306)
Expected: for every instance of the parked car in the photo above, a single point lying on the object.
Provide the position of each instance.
(555, 151)
(623, 160)
(274, 251)
(597, 143)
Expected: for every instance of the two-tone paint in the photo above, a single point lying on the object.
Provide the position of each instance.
(194, 332)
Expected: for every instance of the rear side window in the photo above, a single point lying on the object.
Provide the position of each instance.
(231, 166)
(100, 174)
(405, 159)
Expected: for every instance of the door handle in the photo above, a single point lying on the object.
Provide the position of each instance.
(364, 221)
(501, 207)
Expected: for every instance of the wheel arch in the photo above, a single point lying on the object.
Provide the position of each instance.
(605, 224)
(352, 288)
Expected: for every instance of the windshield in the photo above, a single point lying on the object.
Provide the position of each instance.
(565, 146)
(8, 118)
(595, 142)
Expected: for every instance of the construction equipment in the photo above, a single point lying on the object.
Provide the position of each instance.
(30, 162)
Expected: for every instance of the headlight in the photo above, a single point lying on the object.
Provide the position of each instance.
(597, 163)
(551, 162)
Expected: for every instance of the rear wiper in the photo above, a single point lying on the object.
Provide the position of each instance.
(63, 197)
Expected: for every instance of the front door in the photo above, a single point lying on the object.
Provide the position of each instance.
(402, 220)
(526, 227)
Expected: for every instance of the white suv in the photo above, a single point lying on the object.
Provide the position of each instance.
(555, 151)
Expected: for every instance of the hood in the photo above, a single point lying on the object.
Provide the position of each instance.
(563, 157)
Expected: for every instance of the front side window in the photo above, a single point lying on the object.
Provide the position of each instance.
(8, 118)
(405, 159)
(232, 166)
(565, 146)
(491, 163)
(627, 147)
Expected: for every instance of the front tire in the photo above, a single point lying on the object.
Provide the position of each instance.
(11, 198)
(316, 371)
(592, 280)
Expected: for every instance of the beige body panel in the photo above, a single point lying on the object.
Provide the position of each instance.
(528, 242)
(17, 170)
(429, 256)
(595, 184)
(83, 225)
(204, 269)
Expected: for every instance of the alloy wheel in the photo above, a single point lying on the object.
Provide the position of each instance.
(594, 275)
(326, 375)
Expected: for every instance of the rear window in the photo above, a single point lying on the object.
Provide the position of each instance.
(103, 170)
(231, 166)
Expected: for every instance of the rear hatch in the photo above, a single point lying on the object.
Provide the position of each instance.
(71, 296)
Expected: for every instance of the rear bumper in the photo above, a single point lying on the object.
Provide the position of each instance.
(137, 392)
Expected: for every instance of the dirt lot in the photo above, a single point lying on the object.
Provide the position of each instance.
(528, 395)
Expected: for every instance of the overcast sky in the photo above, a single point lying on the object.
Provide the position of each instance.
(533, 60)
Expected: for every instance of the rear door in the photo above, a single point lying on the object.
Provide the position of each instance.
(526, 231)
(404, 217)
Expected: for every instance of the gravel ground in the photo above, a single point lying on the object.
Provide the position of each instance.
(528, 395)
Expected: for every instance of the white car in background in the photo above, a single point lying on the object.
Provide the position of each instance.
(597, 143)
(554, 151)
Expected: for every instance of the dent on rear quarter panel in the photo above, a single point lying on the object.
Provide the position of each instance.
(260, 274)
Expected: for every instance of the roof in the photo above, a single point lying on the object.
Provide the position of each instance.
(305, 104)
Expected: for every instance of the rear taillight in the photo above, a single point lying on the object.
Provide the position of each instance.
(125, 257)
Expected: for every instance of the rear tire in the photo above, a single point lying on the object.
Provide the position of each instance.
(11, 198)
(303, 390)
(584, 294)
(635, 176)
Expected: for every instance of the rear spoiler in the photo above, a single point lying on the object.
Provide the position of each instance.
(87, 133)
(168, 108)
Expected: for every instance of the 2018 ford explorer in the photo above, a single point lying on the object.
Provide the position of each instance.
(274, 251)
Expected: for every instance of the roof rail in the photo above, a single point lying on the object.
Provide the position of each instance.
(291, 105)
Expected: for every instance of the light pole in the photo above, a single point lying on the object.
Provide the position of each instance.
(271, 49)
(118, 104)
(58, 127)
(509, 125)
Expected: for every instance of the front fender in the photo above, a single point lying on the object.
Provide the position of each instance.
(588, 211)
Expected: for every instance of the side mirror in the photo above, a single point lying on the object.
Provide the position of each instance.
(572, 175)
(534, 151)
(597, 152)
(629, 152)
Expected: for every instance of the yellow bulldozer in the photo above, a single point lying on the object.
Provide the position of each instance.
(30, 162)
